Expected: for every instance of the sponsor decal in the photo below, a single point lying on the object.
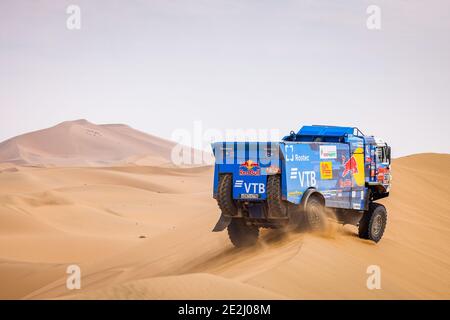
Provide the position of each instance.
(383, 175)
(254, 187)
(350, 167)
(273, 170)
(295, 193)
(294, 173)
(302, 157)
(249, 196)
(306, 178)
(347, 183)
(328, 152)
(238, 183)
(249, 168)
(355, 167)
(291, 156)
(326, 170)
(329, 194)
(289, 150)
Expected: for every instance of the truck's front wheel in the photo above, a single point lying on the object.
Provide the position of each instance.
(373, 222)
(242, 235)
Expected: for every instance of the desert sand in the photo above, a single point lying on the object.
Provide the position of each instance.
(144, 232)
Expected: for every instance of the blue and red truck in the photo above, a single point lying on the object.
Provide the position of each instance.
(318, 173)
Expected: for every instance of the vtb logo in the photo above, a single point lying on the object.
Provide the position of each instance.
(306, 178)
(254, 187)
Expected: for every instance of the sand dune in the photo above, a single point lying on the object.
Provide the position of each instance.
(185, 287)
(81, 143)
(145, 233)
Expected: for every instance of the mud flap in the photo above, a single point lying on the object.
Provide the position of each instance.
(222, 223)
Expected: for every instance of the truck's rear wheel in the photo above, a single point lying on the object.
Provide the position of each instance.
(277, 208)
(242, 235)
(225, 195)
(373, 222)
(315, 214)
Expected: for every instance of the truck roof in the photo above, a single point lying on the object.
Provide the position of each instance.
(317, 133)
(330, 131)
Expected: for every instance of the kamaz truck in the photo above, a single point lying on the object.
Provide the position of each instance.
(306, 179)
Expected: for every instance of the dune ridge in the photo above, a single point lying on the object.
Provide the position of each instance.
(82, 143)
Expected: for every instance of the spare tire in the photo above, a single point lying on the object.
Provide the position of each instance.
(225, 195)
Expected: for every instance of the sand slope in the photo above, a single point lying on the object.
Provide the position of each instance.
(81, 143)
(144, 232)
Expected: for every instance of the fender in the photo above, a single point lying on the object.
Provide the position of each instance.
(308, 193)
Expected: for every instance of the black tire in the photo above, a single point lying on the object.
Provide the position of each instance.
(373, 223)
(277, 207)
(315, 214)
(242, 235)
(225, 195)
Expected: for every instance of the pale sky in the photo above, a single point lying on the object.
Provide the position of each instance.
(160, 65)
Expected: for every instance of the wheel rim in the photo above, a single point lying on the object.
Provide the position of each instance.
(376, 225)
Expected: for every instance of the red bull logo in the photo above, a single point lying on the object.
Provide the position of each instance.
(355, 166)
(249, 168)
(350, 166)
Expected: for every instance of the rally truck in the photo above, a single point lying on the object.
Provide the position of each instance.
(309, 177)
